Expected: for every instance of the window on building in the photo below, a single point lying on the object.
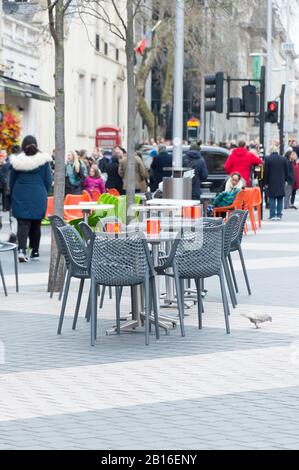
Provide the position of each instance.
(97, 42)
(92, 106)
(105, 109)
(106, 48)
(117, 54)
(80, 107)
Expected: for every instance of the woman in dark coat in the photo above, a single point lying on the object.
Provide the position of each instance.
(30, 182)
(276, 176)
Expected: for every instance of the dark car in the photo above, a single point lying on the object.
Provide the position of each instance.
(215, 158)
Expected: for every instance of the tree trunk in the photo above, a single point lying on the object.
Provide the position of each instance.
(131, 106)
(147, 116)
(59, 177)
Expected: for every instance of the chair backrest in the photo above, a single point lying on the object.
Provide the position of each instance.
(230, 229)
(114, 192)
(76, 256)
(50, 207)
(86, 197)
(257, 196)
(211, 221)
(89, 237)
(73, 199)
(95, 194)
(119, 261)
(56, 222)
(239, 228)
(199, 254)
(248, 198)
(239, 200)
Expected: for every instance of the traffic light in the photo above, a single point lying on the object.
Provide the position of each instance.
(249, 99)
(214, 92)
(272, 112)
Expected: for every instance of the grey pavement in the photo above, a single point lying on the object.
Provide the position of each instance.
(206, 391)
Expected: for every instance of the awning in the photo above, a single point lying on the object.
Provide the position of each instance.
(17, 88)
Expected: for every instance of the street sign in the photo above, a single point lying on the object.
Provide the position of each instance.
(288, 46)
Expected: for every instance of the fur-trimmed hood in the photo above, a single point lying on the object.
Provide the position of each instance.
(24, 162)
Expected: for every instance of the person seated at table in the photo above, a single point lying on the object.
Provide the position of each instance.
(233, 185)
(94, 180)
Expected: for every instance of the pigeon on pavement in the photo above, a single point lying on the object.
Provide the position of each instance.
(257, 318)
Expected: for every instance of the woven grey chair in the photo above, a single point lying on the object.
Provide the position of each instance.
(229, 232)
(4, 247)
(198, 255)
(120, 262)
(89, 236)
(78, 266)
(56, 222)
(236, 246)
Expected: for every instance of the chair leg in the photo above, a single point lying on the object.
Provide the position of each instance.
(229, 283)
(102, 296)
(15, 253)
(93, 291)
(63, 282)
(78, 303)
(180, 299)
(88, 307)
(233, 273)
(57, 262)
(3, 280)
(199, 302)
(147, 308)
(155, 306)
(65, 294)
(224, 301)
(117, 300)
(252, 220)
(244, 270)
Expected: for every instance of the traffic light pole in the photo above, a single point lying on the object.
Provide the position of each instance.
(281, 123)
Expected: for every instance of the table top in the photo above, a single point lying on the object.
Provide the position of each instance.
(88, 206)
(173, 202)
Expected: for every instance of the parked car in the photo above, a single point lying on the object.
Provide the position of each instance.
(215, 158)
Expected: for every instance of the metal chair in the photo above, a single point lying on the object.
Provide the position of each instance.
(57, 222)
(4, 247)
(78, 266)
(198, 255)
(229, 233)
(236, 246)
(120, 262)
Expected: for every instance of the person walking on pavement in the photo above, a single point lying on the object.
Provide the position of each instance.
(140, 174)
(196, 162)
(30, 182)
(240, 161)
(276, 177)
(161, 161)
(296, 182)
(113, 178)
(291, 177)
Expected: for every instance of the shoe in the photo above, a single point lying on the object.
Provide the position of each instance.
(294, 207)
(22, 256)
(272, 218)
(34, 255)
(279, 217)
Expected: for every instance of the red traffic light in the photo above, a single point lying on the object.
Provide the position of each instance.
(272, 106)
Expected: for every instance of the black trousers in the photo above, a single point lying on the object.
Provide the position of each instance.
(29, 228)
(293, 196)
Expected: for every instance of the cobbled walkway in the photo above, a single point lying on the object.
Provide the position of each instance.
(206, 391)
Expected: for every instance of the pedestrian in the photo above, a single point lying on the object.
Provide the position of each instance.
(275, 178)
(241, 161)
(161, 161)
(291, 177)
(196, 162)
(295, 160)
(4, 180)
(75, 174)
(140, 174)
(30, 182)
(113, 178)
(94, 180)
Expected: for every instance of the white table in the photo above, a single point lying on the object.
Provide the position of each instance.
(86, 207)
(173, 202)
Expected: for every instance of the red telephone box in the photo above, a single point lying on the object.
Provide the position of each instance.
(108, 137)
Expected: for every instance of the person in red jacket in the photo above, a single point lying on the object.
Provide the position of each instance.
(240, 161)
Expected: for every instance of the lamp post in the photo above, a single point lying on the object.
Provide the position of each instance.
(269, 70)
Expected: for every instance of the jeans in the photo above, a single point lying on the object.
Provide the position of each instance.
(275, 205)
(293, 197)
(31, 229)
(289, 189)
